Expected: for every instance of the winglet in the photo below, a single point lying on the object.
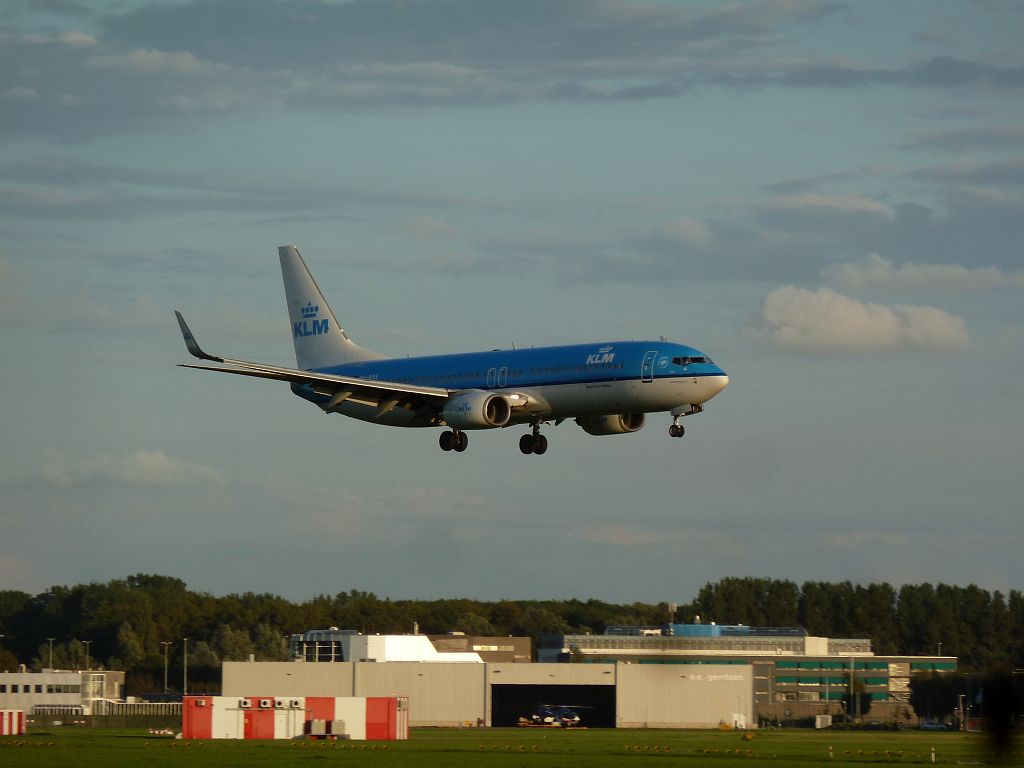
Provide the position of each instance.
(190, 341)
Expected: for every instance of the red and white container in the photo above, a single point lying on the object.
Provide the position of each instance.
(12, 722)
(288, 717)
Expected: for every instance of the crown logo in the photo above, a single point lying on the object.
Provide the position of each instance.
(310, 310)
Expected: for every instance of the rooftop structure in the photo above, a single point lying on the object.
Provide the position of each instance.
(697, 639)
(349, 645)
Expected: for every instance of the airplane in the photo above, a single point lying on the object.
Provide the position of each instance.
(608, 387)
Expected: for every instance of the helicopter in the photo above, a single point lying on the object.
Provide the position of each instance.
(554, 716)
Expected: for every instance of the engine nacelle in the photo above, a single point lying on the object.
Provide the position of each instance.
(477, 410)
(616, 424)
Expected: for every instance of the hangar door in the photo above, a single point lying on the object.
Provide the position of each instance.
(595, 704)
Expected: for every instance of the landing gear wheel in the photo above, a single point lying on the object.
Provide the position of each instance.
(677, 430)
(461, 441)
(526, 444)
(540, 445)
(446, 441)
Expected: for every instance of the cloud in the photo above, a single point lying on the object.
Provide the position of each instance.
(824, 321)
(70, 38)
(852, 541)
(832, 204)
(1009, 172)
(601, 35)
(688, 231)
(936, 72)
(80, 312)
(876, 271)
(631, 536)
(61, 186)
(77, 39)
(15, 569)
(984, 137)
(431, 228)
(143, 467)
(794, 186)
(165, 61)
(150, 62)
(21, 93)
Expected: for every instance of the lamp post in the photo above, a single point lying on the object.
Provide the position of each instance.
(184, 681)
(87, 643)
(50, 639)
(166, 644)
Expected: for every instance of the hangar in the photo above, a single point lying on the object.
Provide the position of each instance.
(619, 694)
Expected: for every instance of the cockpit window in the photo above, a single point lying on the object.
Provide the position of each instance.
(688, 360)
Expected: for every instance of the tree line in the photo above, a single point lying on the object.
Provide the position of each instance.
(132, 623)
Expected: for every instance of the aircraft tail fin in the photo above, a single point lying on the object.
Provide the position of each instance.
(319, 339)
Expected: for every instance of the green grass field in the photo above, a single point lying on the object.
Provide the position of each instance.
(501, 748)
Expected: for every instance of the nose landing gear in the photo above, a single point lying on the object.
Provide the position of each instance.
(677, 429)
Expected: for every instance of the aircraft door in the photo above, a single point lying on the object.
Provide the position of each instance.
(647, 368)
(492, 377)
(503, 377)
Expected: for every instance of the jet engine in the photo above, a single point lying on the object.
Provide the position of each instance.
(477, 409)
(615, 424)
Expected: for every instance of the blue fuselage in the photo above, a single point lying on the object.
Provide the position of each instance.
(540, 367)
(561, 382)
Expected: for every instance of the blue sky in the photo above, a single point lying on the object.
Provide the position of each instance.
(826, 197)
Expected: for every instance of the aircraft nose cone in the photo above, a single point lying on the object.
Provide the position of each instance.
(716, 384)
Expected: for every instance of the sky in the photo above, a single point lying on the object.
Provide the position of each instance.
(825, 197)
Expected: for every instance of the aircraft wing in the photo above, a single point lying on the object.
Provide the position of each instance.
(385, 394)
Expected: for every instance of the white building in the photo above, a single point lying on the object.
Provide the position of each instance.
(58, 691)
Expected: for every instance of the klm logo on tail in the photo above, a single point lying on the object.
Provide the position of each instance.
(309, 325)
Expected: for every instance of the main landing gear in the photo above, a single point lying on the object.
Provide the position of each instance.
(533, 443)
(455, 440)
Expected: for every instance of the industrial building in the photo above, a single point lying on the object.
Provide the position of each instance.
(60, 692)
(795, 675)
(444, 692)
(677, 676)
